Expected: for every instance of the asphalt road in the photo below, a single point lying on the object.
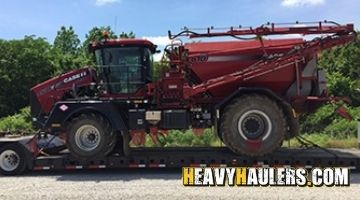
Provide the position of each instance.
(156, 184)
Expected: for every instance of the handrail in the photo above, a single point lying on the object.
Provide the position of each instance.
(304, 28)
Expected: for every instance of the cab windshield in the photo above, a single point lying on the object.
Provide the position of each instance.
(124, 69)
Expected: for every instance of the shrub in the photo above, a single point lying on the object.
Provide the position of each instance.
(177, 138)
(328, 122)
(17, 122)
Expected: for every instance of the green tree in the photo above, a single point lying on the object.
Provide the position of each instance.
(343, 71)
(67, 41)
(127, 35)
(66, 51)
(343, 68)
(23, 63)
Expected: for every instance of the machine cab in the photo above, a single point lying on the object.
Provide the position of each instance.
(124, 65)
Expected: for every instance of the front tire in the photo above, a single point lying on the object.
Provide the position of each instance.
(253, 125)
(90, 135)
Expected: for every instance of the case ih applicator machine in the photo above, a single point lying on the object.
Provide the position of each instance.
(248, 90)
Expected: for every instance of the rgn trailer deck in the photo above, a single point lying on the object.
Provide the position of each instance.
(176, 157)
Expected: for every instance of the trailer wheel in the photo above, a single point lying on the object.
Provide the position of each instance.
(90, 135)
(12, 159)
(253, 125)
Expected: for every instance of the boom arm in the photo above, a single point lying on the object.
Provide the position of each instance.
(307, 28)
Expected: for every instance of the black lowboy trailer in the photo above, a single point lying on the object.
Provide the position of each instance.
(17, 156)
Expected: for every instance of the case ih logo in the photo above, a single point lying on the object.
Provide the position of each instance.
(63, 107)
(74, 77)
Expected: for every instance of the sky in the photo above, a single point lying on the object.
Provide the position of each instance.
(152, 19)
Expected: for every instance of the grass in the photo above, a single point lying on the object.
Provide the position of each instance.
(188, 139)
(324, 140)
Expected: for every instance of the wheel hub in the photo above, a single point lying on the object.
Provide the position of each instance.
(87, 137)
(254, 124)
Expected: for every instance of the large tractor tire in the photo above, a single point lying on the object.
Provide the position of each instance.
(90, 135)
(253, 125)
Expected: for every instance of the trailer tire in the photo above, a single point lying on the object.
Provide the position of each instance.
(12, 159)
(253, 125)
(90, 135)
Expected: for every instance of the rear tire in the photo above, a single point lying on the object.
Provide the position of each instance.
(90, 135)
(253, 125)
(12, 159)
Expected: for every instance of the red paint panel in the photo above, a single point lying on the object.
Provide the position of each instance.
(214, 59)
